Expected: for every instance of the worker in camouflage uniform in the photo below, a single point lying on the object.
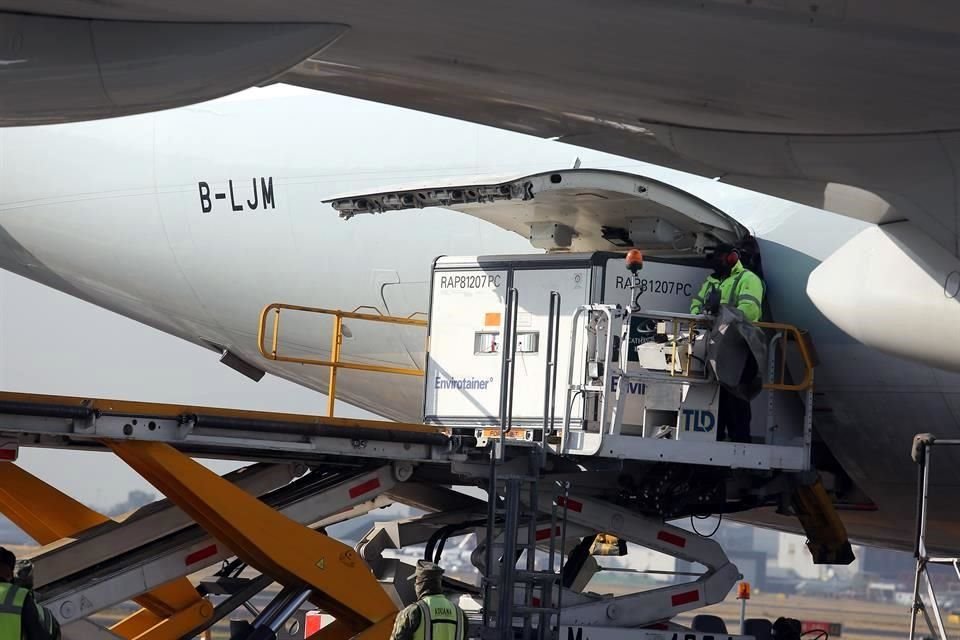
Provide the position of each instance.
(21, 617)
(432, 616)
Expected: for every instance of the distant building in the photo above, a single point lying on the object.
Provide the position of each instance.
(887, 565)
(767, 541)
(793, 554)
(753, 567)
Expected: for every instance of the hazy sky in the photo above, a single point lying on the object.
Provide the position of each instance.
(53, 343)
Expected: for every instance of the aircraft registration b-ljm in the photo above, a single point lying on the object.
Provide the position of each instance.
(191, 220)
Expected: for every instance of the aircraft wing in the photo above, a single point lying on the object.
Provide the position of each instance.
(778, 97)
(879, 178)
(575, 209)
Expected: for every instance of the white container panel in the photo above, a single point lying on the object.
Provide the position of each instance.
(466, 326)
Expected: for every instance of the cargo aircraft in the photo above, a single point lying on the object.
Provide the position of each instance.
(191, 220)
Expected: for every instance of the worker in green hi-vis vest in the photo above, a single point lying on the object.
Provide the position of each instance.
(21, 618)
(432, 616)
(731, 284)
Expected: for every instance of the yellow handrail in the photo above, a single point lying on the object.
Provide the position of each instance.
(335, 343)
(788, 330)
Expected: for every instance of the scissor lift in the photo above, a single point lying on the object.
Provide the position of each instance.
(125, 574)
(77, 575)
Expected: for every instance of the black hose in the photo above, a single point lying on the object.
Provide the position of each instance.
(712, 533)
(432, 552)
(46, 410)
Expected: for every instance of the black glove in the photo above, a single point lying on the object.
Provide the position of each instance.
(711, 305)
(23, 574)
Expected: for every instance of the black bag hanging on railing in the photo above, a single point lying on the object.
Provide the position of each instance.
(734, 341)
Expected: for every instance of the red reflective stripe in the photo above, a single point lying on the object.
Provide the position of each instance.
(684, 598)
(364, 487)
(543, 534)
(571, 504)
(832, 628)
(312, 622)
(202, 554)
(8, 455)
(672, 538)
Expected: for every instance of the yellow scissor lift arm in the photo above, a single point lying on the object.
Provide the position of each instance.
(292, 554)
(47, 515)
(155, 440)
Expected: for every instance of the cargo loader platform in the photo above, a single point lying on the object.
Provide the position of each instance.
(65, 422)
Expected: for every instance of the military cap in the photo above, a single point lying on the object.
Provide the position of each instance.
(427, 569)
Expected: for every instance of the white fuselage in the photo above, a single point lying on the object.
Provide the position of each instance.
(125, 214)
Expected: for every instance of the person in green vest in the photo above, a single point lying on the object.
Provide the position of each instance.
(21, 618)
(731, 284)
(433, 616)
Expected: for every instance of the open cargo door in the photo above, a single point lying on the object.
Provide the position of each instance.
(571, 210)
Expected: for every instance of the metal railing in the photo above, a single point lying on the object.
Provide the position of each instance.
(682, 331)
(508, 373)
(782, 337)
(684, 328)
(921, 450)
(336, 341)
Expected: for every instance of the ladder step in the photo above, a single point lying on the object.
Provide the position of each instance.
(587, 387)
(525, 610)
(528, 576)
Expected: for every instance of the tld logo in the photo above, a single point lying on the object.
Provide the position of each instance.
(698, 420)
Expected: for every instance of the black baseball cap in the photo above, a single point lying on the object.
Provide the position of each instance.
(721, 248)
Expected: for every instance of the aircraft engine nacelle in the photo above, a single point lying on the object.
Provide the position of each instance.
(55, 69)
(896, 289)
